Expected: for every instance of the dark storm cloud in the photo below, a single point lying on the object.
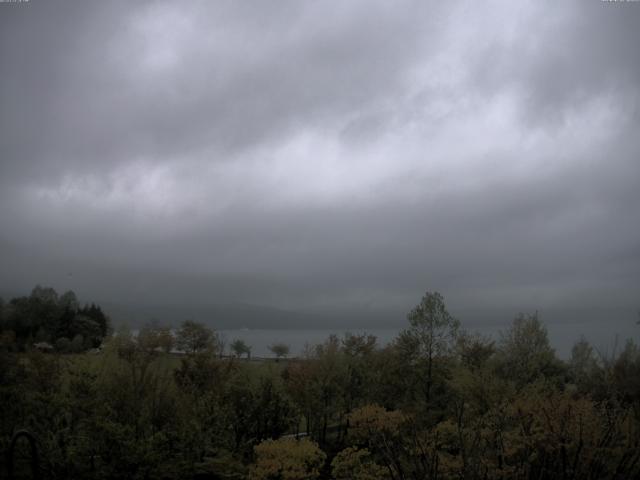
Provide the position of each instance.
(306, 155)
(564, 57)
(94, 85)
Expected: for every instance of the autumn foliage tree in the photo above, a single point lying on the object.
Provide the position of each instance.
(287, 459)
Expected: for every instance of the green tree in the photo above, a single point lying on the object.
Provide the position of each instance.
(584, 370)
(63, 344)
(302, 388)
(69, 300)
(524, 351)
(77, 344)
(43, 315)
(280, 350)
(432, 334)
(165, 339)
(359, 345)
(626, 373)
(193, 337)
(201, 372)
(239, 348)
(474, 350)
(46, 295)
(8, 341)
(154, 337)
(88, 328)
(2, 314)
(359, 352)
(95, 313)
(329, 380)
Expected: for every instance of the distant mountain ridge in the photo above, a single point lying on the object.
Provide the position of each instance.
(238, 315)
(218, 316)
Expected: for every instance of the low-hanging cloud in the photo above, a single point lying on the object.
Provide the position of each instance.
(306, 154)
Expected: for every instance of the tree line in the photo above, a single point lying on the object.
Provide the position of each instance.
(436, 403)
(52, 320)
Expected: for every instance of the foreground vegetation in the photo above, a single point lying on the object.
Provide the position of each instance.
(437, 403)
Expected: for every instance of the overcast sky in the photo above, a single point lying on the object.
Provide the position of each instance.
(316, 155)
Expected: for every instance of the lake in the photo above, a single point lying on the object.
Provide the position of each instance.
(602, 335)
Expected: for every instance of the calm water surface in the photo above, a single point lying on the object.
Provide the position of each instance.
(601, 335)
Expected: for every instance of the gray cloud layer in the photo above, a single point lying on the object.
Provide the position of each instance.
(309, 155)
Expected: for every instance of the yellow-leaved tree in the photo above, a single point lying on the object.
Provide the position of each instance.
(287, 459)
